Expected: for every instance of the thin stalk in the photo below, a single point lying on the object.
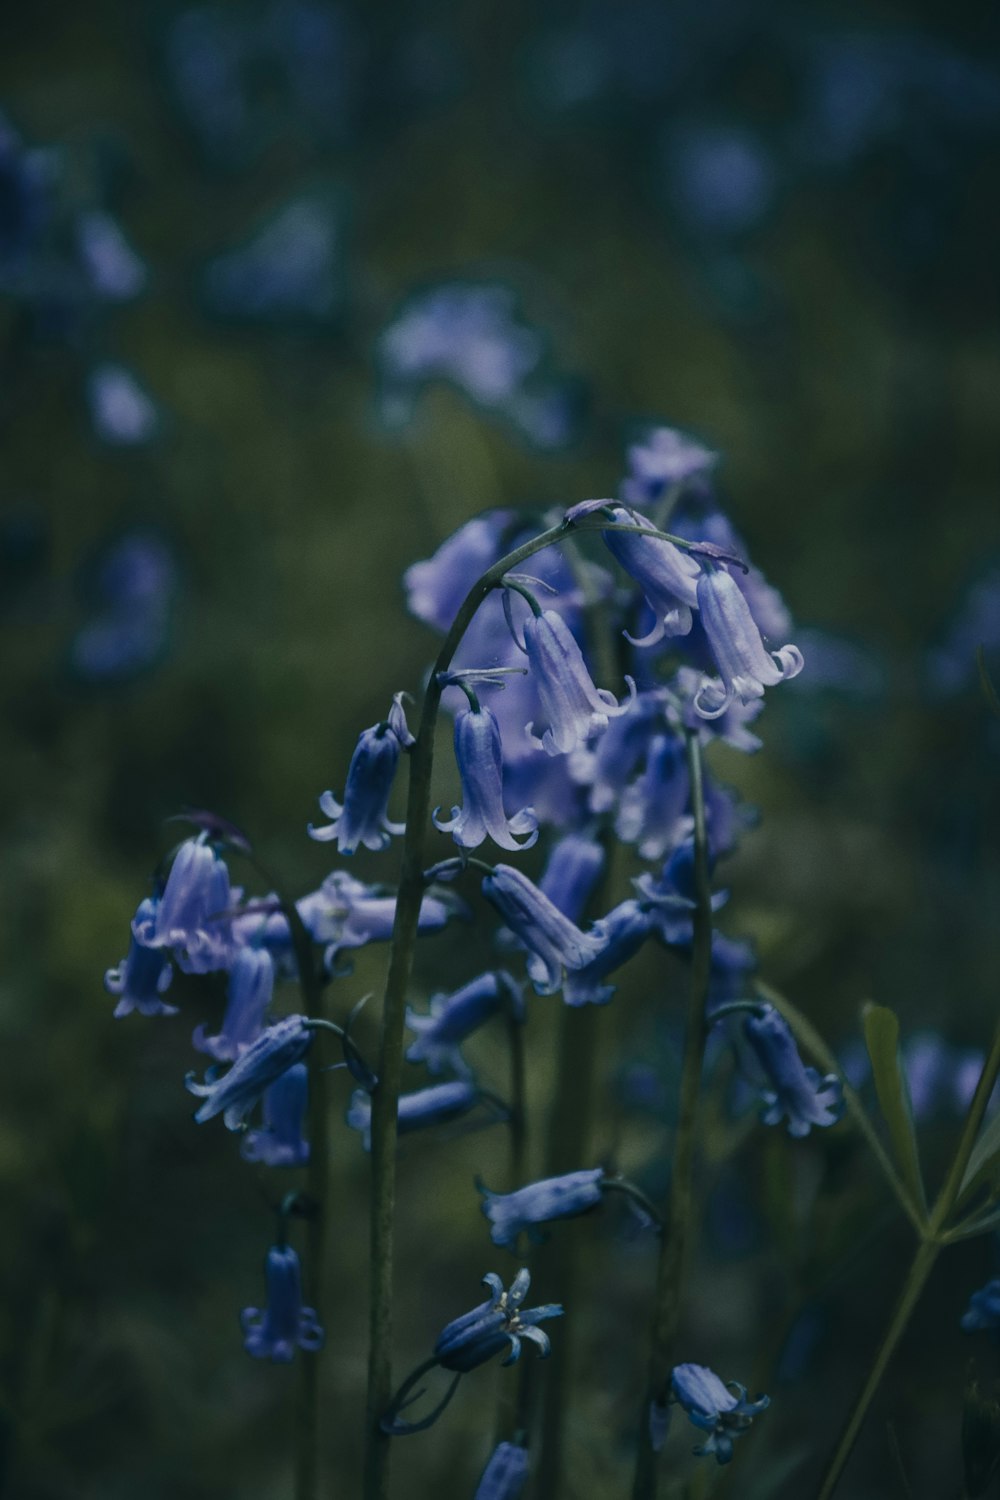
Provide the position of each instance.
(384, 1100)
(518, 1123)
(674, 1245)
(933, 1238)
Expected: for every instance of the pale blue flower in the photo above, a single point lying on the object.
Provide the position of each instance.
(554, 942)
(746, 667)
(622, 933)
(279, 1142)
(456, 1016)
(479, 756)
(790, 1089)
(436, 587)
(417, 1110)
(713, 1406)
(572, 705)
(251, 983)
(237, 1091)
(667, 576)
(495, 1325)
(539, 1203)
(505, 1475)
(143, 975)
(666, 457)
(363, 818)
(284, 1325)
(191, 915)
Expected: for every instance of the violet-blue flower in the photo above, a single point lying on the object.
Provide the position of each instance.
(479, 756)
(251, 983)
(790, 1088)
(554, 942)
(746, 667)
(654, 810)
(284, 1325)
(622, 932)
(234, 1094)
(983, 1311)
(279, 1142)
(606, 765)
(498, 1324)
(454, 1017)
(665, 458)
(571, 703)
(190, 916)
(143, 975)
(345, 913)
(436, 587)
(363, 818)
(667, 576)
(571, 873)
(712, 1405)
(505, 1475)
(540, 1202)
(417, 1110)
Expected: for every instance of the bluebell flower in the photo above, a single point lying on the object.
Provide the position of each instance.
(284, 1325)
(279, 1142)
(123, 415)
(479, 756)
(983, 1311)
(941, 1078)
(363, 818)
(251, 983)
(498, 1324)
(571, 703)
(289, 270)
(436, 587)
(540, 1202)
(713, 1406)
(622, 933)
(606, 764)
(143, 975)
(665, 458)
(789, 1087)
(456, 1016)
(345, 913)
(667, 576)
(746, 667)
(112, 266)
(191, 915)
(505, 1475)
(237, 1091)
(571, 873)
(723, 179)
(654, 810)
(769, 610)
(417, 1110)
(553, 941)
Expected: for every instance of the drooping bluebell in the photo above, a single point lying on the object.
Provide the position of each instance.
(790, 1089)
(454, 1017)
(479, 757)
(712, 1406)
(499, 1323)
(572, 706)
(251, 983)
(143, 975)
(505, 1475)
(539, 1203)
(745, 666)
(363, 818)
(554, 943)
(234, 1094)
(191, 916)
(417, 1110)
(279, 1141)
(284, 1325)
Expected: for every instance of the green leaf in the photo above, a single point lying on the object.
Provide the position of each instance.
(881, 1029)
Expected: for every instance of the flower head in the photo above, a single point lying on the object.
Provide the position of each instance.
(573, 706)
(454, 1017)
(666, 457)
(667, 576)
(347, 913)
(712, 1406)
(280, 1142)
(505, 1475)
(498, 1324)
(653, 812)
(143, 974)
(479, 755)
(623, 932)
(789, 1087)
(746, 667)
(284, 1325)
(363, 818)
(251, 982)
(234, 1094)
(417, 1110)
(554, 942)
(539, 1202)
(190, 916)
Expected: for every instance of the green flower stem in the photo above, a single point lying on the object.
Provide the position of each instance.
(674, 1245)
(933, 1237)
(385, 1097)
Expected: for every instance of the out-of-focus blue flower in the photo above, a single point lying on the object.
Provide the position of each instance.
(622, 933)
(730, 726)
(667, 576)
(190, 916)
(952, 666)
(289, 270)
(234, 1095)
(284, 1325)
(653, 811)
(280, 1142)
(983, 1311)
(112, 266)
(941, 1078)
(24, 197)
(790, 1089)
(251, 983)
(505, 1475)
(607, 763)
(571, 873)
(710, 525)
(745, 666)
(455, 1017)
(122, 413)
(553, 941)
(436, 587)
(363, 818)
(723, 180)
(479, 756)
(540, 1202)
(417, 1110)
(345, 913)
(713, 1406)
(498, 1324)
(143, 975)
(665, 458)
(572, 705)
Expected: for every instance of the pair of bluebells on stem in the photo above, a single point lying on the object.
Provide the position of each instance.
(497, 1326)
